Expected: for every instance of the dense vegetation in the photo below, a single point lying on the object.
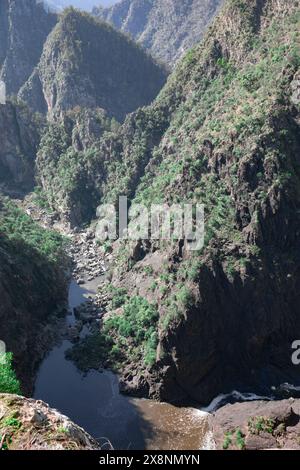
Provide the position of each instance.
(17, 229)
(69, 162)
(131, 336)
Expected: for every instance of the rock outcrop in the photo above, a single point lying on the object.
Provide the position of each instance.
(24, 27)
(167, 28)
(257, 425)
(86, 63)
(31, 425)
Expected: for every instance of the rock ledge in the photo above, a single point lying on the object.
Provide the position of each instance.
(27, 424)
(257, 425)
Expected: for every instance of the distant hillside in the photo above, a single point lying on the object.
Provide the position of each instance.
(85, 62)
(24, 27)
(83, 4)
(167, 28)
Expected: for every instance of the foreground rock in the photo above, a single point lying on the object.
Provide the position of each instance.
(31, 425)
(258, 425)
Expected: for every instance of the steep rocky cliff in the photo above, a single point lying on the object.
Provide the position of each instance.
(87, 63)
(20, 135)
(32, 287)
(167, 28)
(32, 425)
(24, 27)
(223, 132)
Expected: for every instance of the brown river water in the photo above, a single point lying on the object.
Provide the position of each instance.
(93, 401)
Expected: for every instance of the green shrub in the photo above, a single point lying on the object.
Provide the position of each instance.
(8, 380)
(119, 298)
(227, 441)
(137, 317)
(12, 422)
(185, 296)
(18, 226)
(261, 424)
(148, 270)
(151, 349)
(138, 324)
(240, 439)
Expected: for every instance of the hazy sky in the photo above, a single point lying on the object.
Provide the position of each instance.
(84, 4)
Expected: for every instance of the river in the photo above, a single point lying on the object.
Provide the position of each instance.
(93, 401)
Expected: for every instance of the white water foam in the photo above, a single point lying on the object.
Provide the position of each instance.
(223, 398)
(289, 387)
(208, 442)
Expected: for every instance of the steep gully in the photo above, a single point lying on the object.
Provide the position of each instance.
(93, 400)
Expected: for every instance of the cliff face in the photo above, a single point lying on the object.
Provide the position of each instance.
(32, 425)
(167, 28)
(87, 63)
(24, 27)
(32, 286)
(223, 132)
(20, 135)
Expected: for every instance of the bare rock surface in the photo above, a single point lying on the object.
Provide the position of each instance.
(27, 424)
(257, 425)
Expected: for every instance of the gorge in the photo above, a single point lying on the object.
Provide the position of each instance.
(90, 117)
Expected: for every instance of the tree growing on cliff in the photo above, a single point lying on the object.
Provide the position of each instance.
(8, 380)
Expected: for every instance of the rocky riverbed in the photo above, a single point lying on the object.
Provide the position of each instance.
(89, 262)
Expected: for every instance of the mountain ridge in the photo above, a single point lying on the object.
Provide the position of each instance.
(85, 62)
(167, 28)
